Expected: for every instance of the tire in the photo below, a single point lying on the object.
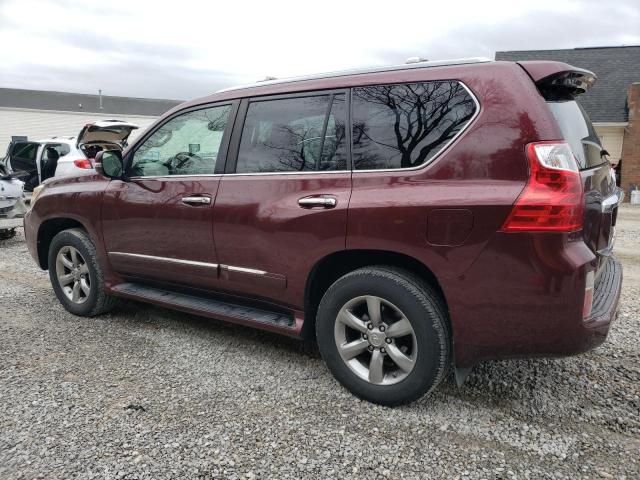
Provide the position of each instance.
(7, 233)
(408, 304)
(91, 299)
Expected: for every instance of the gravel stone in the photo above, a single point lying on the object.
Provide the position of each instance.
(147, 393)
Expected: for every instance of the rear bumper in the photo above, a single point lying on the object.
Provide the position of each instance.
(605, 303)
(524, 297)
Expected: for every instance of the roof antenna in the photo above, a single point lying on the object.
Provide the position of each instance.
(100, 99)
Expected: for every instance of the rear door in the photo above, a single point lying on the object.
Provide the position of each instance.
(600, 191)
(282, 205)
(157, 224)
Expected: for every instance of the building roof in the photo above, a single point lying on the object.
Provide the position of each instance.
(616, 68)
(80, 102)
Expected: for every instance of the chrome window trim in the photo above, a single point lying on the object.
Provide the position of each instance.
(146, 177)
(166, 259)
(310, 172)
(443, 148)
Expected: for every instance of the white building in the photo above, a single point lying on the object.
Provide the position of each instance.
(37, 114)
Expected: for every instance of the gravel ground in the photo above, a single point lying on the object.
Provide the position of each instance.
(149, 393)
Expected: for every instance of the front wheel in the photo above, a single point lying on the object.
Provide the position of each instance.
(76, 275)
(383, 334)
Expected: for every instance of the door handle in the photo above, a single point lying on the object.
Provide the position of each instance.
(196, 200)
(324, 202)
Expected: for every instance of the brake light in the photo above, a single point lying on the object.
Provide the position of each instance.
(83, 163)
(552, 200)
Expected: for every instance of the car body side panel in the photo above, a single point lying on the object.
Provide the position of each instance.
(149, 232)
(483, 172)
(75, 198)
(259, 225)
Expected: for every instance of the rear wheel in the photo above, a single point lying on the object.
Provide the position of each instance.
(75, 274)
(383, 334)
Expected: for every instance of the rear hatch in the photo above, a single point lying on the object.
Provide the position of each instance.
(601, 195)
(106, 131)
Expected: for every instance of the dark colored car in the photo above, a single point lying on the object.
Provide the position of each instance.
(411, 218)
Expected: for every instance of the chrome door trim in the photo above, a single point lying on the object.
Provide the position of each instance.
(166, 259)
(196, 200)
(325, 202)
(252, 271)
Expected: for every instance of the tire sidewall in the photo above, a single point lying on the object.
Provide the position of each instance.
(422, 312)
(83, 245)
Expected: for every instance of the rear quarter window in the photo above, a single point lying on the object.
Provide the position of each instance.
(406, 125)
(578, 131)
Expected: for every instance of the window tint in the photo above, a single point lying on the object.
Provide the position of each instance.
(578, 131)
(23, 156)
(300, 134)
(403, 126)
(25, 151)
(185, 145)
(61, 148)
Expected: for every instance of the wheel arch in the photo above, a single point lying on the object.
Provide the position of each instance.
(331, 267)
(49, 229)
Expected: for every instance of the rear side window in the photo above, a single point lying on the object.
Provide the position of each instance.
(61, 148)
(404, 126)
(301, 134)
(578, 131)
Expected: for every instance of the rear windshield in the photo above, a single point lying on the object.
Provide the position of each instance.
(579, 133)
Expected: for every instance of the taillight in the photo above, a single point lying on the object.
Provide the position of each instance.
(82, 163)
(587, 305)
(552, 200)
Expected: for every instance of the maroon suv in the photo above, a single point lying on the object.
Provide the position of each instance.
(411, 218)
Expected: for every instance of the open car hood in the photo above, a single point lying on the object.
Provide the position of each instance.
(113, 131)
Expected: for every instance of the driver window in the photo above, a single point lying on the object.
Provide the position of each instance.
(185, 145)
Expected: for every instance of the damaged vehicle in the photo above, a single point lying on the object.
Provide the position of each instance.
(12, 204)
(34, 161)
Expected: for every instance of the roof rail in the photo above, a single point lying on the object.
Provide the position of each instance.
(362, 71)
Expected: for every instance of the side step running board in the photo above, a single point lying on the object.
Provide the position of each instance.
(206, 307)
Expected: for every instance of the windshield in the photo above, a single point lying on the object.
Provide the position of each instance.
(579, 133)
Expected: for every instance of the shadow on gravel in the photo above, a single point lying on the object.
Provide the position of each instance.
(203, 327)
(497, 383)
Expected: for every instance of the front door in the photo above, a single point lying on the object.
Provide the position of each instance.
(22, 158)
(282, 205)
(158, 224)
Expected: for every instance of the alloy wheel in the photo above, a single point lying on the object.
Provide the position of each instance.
(375, 340)
(73, 274)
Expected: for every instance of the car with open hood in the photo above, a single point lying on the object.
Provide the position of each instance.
(34, 161)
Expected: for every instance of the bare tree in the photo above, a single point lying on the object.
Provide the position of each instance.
(424, 116)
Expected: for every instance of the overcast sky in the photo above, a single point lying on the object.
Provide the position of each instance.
(185, 49)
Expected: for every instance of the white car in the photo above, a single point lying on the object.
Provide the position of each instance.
(12, 204)
(35, 161)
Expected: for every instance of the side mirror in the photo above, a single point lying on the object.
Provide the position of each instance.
(109, 163)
